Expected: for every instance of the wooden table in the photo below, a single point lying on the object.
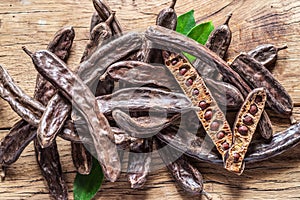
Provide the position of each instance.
(33, 23)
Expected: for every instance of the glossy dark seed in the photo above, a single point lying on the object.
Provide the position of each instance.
(253, 109)
(203, 105)
(214, 126)
(208, 115)
(258, 99)
(182, 71)
(174, 61)
(220, 135)
(225, 146)
(236, 157)
(243, 130)
(189, 82)
(195, 92)
(248, 120)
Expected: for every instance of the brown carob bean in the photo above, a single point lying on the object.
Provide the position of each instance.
(49, 163)
(167, 17)
(139, 162)
(244, 128)
(256, 75)
(266, 54)
(219, 40)
(72, 87)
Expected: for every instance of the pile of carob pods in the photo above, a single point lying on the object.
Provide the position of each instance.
(138, 92)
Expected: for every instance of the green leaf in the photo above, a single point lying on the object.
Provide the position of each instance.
(189, 57)
(201, 32)
(185, 22)
(86, 186)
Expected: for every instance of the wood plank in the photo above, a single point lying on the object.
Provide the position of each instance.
(33, 23)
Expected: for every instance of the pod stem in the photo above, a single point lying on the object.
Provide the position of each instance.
(173, 4)
(228, 18)
(29, 53)
(283, 47)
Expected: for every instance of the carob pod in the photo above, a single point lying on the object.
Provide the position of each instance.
(138, 99)
(244, 128)
(139, 162)
(56, 72)
(136, 73)
(266, 54)
(167, 17)
(82, 159)
(186, 176)
(142, 126)
(209, 113)
(98, 35)
(104, 11)
(219, 40)
(48, 160)
(256, 75)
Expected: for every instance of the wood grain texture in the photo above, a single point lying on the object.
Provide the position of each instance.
(34, 22)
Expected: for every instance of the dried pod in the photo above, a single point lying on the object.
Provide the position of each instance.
(186, 176)
(266, 54)
(95, 20)
(82, 159)
(219, 40)
(167, 17)
(256, 75)
(244, 128)
(209, 114)
(139, 162)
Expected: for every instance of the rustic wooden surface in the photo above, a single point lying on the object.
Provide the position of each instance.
(33, 23)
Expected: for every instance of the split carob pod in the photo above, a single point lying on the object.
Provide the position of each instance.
(48, 161)
(98, 35)
(136, 73)
(266, 54)
(219, 40)
(186, 175)
(139, 161)
(209, 114)
(256, 75)
(142, 126)
(56, 72)
(244, 128)
(104, 11)
(177, 42)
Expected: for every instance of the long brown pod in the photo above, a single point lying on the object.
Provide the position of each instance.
(142, 126)
(256, 76)
(81, 158)
(209, 113)
(139, 162)
(48, 160)
(186, 176)
(72, 87)
(219, 40)
(104, 11)
(24, 106)
(144, 99)
(13, 144)
(165, 38)
(244, 128)
(266, 54)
